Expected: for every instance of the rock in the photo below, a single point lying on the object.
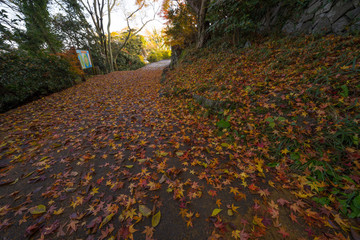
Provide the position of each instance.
(289, 27)
(339, 26)
(324, 9)
(323, 26)
(312, 2)
(355, 27)
(275, 14)
(327, 7)
(339, 10)
(247, 44)
(353, 13)
(304, 27)
(306, 17)
(314, 6)
(274, 20)
(317, 17)
(356, 3)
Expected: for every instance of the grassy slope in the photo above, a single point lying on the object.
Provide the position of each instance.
(289, 105)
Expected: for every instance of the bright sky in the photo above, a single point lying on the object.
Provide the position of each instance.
(118, 21)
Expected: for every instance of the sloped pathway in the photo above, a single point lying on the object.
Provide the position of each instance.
(110, 159)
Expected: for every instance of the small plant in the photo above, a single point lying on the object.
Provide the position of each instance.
(271, 120)
(224, 123)
(345, 91)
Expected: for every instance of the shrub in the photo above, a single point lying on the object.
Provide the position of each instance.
(126, 62)
(24, 77)
(159, 55)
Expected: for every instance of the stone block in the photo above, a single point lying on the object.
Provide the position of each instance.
(323, 26)
(339, 9)
(356, 3)
(304, 28)
(324, 9)
(312, 2)
(289, 27)
(327, 6)
(355, 27)
(247, 44)
(353, 13)
(306, 17)
(339, 26)
(313, 7)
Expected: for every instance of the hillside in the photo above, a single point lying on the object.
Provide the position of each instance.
(286, 110)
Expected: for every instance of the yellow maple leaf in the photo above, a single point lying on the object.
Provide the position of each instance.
(258, 221)
(94, 191)
(285, 151)
(60, 211)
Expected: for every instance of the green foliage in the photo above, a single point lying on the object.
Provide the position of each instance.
(223, 124)
(37, 22)
(127, 62)
(6, 34)
(157, 47)
(130, 56)
(24, 78)
(159, 55)
(228, 16)
(182, 30)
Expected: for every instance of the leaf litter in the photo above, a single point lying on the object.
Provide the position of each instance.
(110, 159)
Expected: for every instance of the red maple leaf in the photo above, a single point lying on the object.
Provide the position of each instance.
(283, 232)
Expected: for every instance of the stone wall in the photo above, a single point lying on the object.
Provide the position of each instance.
(318, 17)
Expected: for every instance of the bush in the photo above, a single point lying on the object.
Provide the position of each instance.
(24, 78)
(126, 62)
(159, 55)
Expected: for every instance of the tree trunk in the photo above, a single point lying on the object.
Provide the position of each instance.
(111, 63)
(115, 65)
(202, 35)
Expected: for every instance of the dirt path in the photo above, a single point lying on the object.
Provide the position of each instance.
(157, 65)
(109, 158)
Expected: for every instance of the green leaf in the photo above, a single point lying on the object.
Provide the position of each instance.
(272, 124)
(38, 209)
(295, 156)
(345, 92)
(322, 201)
(273, 164)
(281, 119)
(356, 139)
(343, 206)
(216, 211)
(156, 219)
(356, 201)
(223, 124)
(129, 166)
(269, 119)
(144, 210)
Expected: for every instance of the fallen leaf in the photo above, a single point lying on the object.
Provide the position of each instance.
(156, 219)
(216, 211)
(38, 209)
(106, 220)
(144, 210)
